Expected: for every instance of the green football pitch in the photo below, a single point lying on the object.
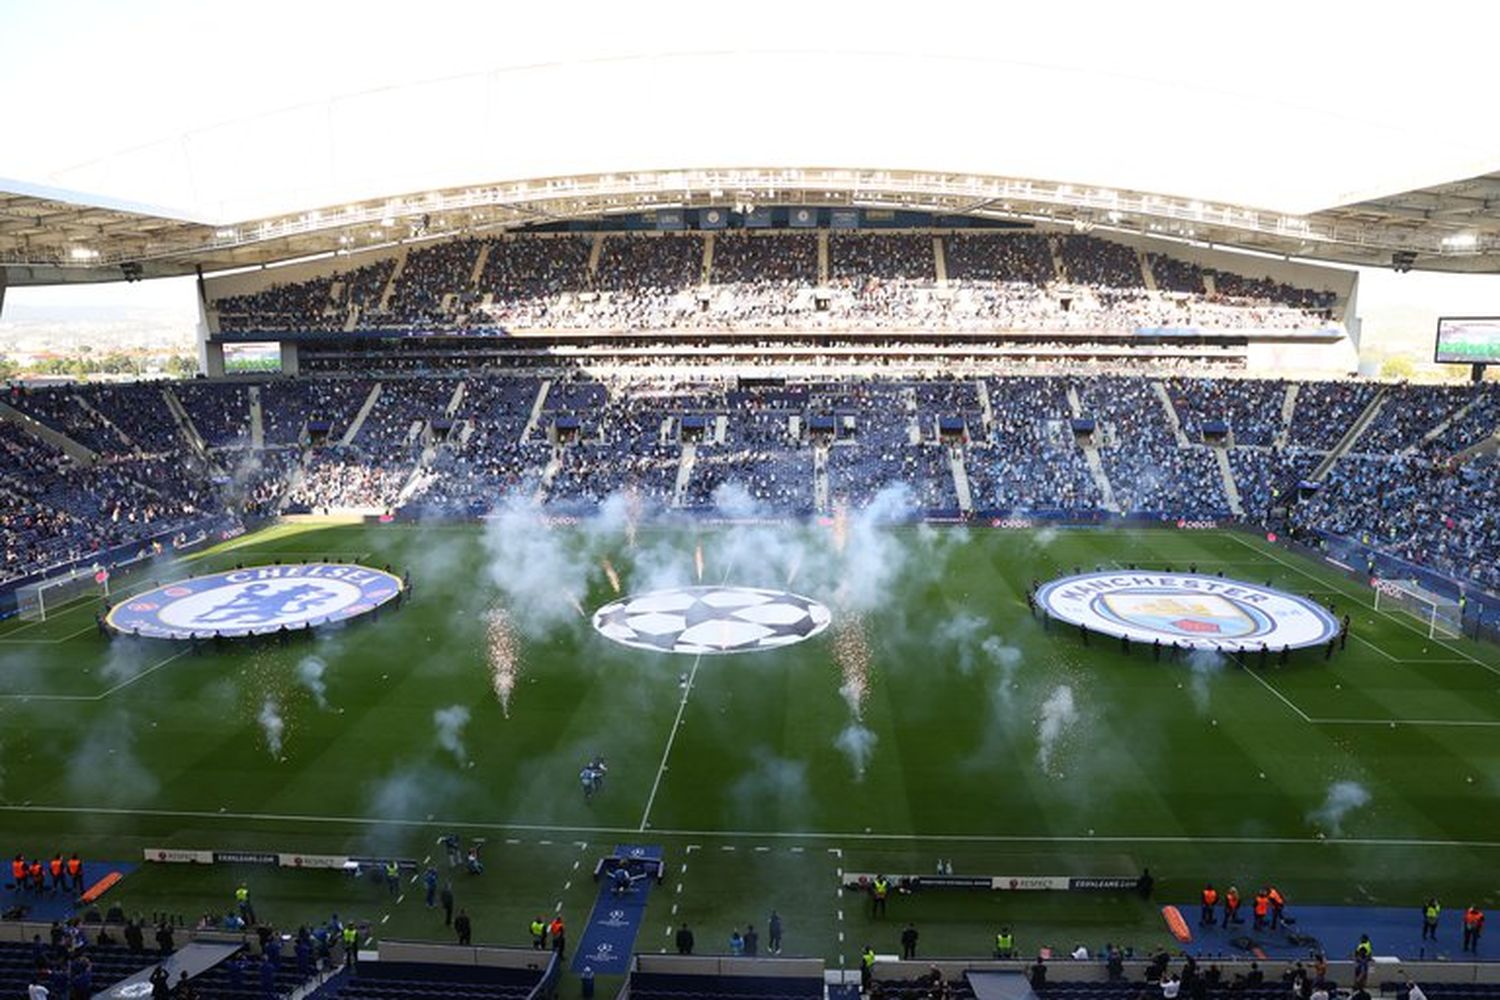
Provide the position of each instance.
(934, 719)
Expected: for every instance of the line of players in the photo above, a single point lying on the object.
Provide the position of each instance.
(65, 875)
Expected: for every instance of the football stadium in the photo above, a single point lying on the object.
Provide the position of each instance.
(765, 558)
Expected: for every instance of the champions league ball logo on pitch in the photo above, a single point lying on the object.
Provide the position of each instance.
(258, 600)
(1201, 612)
(711, 620)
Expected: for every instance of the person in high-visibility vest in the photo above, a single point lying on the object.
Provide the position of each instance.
(1430, 912)
(1005, 944)
(879, 889)
(246, 908)
(1473, 925)
(539, 934)
(18, 871)
(55, 867)
(1278, 903)
(1262, 909)
(1231, 906)
(75, 873)
(38, 878)
(1364, 952)
(866, 969)
(559, 932)
(1210, 898)
(351, 945)
(393, 877)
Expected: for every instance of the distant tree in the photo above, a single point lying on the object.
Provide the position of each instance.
(181, 366)
(1397, 366)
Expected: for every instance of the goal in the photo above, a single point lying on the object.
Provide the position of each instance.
(1440, 616)
(36, 601)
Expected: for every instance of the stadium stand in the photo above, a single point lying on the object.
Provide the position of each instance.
(459, 444)
(995, 280)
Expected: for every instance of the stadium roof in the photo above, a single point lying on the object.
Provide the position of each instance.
(50, 236)
(1250, 131)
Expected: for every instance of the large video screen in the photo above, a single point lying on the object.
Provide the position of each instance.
(1468, 340)
(252, 357)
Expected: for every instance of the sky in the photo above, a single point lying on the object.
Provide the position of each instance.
(225, 110)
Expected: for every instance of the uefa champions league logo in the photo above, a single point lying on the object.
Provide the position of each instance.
(711, 620)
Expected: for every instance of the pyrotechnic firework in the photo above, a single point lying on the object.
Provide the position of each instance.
(609, 571)
(698, 560)
(577, 607)
(633, 509)
(504, 655)
(840, 527)
(851, 650)
(791, 573)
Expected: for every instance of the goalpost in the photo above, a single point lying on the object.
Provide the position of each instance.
(1441, 616)
(36, 601)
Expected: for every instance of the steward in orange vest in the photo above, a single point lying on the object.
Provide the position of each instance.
(1262, 907)
(1231, 906)
(1210, 900)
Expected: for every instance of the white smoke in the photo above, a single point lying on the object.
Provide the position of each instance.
(541, 578)
(310, 671)
(962, 632)
(1205, 665)
(1045, 537)
(1343, 798)
(272, 726)
(104, 768)
(858, 744)
(1006, 660)
(450, 723)
(1057, 716)
(775, 786)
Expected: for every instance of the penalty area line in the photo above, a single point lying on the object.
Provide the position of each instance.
(1357, 597)
(106, 692)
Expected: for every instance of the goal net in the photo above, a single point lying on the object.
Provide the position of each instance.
(36, 601)
(1439, 615)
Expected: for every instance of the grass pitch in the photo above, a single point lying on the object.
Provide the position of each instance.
(934, 719)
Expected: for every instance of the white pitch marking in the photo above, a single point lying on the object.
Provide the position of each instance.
(545, 843)
(661, 769)
(761, 850)
(674, 909)
(576, 864)
(567, 885)
(679, 888)
(1281, 697)
(511, 840)
(1357, 598)
(385, 918)
(103, 694)
(972, 838)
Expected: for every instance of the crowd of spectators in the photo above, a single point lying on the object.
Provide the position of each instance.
(995, 280)
(1252, 408)
(462, 445)
(321, 304)
(1423, 511)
